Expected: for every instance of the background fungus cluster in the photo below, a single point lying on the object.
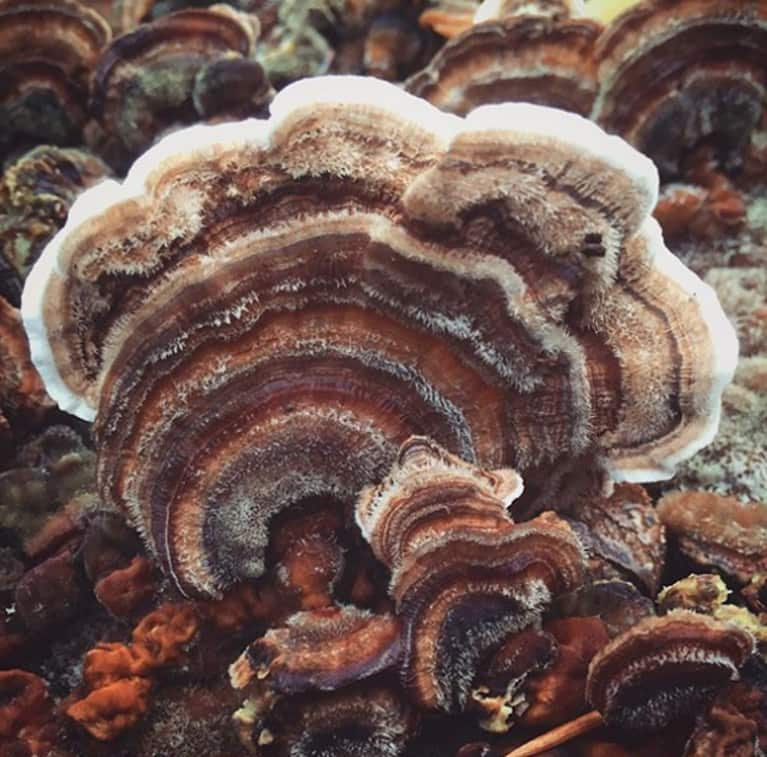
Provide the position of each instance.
(420, 413)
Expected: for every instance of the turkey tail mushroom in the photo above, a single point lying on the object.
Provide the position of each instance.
(464, 576)
(264, 311)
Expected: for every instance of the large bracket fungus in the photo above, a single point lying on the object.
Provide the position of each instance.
(264, 311)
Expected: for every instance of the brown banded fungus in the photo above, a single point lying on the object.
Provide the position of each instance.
(463, 575)
(48, 50)
(369, 720)
(320, 650)
(263, 312)
(529, 58)
(679, 75)
(187, 66)
(665, 668)
(714, 530)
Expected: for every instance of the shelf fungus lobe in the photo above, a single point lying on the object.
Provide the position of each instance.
(264, 311)
(679, 74)
(190, 65)
(520, 58)
(665, 668)
(464, 575)
(322, 649)
(719, 531)
(48, 49)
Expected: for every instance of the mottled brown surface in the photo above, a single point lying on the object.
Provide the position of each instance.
(664, 668)
(181, 68)
(574, 344)
(47, 51)
(718, 531)
(530, 59)
(23, 400)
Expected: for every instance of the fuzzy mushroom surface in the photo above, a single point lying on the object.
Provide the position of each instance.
(263, 311)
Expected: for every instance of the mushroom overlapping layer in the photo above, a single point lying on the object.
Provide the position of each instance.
(529, 58)
(677, 75)
(48, 49)
(190, 65)
(464, 576)
(665, 668)
(264, 311)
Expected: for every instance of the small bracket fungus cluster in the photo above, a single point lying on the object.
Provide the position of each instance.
(468, 584)
(676, 74)
(282, 303)
(190, 65)
(529, 54)
(65, 80)
(47, 50)
(684, 81)
(463, 575)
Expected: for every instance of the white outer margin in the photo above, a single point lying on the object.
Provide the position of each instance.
(724, 357)
(202, 140)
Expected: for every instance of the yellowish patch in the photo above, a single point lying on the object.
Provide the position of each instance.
(606, 10)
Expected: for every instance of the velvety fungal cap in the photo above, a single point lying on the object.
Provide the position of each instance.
(718, 530)
(189, 65)
(521, 58)
(677, 74)
(463, 575)
(420, 486)
(322, 649)
(252, 286)
(665, 668)
(48, 50)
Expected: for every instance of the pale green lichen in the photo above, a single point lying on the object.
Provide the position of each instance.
(735, 463)
(296, 47)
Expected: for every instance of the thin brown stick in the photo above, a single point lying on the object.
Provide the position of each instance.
(559, 735)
